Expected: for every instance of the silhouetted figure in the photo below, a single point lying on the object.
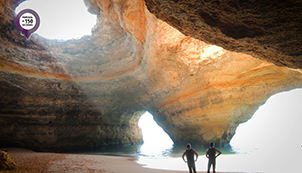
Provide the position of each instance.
(189, 153)
(211, 155)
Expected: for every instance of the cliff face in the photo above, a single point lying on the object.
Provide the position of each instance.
(89, 93)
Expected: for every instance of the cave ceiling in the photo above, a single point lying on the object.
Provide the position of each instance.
(269, 30)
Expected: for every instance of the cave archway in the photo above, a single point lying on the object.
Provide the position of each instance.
(90, 85)
(156, 140)
(57, 21)
(152, 133)
(278, 121)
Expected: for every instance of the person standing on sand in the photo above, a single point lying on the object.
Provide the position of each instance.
(211, 155)
(189, 153)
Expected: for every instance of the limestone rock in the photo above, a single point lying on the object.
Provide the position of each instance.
(6, 162)
(202, 92)
(270, 30)
(89, 93)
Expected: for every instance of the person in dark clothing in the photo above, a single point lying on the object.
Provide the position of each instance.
(189, 153)
(211, 155)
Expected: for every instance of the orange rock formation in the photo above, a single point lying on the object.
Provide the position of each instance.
(89, 93)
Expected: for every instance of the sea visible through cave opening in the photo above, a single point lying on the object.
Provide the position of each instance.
(61, 19)
(269, 142)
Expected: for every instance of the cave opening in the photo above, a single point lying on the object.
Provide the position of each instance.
(61, 19)
(279, 118)
(156, 140)
(273, 134)
(269, 142)
(153, 134)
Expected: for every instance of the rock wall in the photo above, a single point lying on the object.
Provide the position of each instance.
(89, 93)
(64, 96)
(207, 90)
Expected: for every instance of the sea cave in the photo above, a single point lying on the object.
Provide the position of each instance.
(201, 68)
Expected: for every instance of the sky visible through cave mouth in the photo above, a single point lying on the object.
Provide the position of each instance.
(61, 19)
(271, 141)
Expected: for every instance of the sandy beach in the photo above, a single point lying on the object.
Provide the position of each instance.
(30, 161)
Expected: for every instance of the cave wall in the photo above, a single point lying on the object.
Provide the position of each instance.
(89, 93)
(79, 94)
(207, 90)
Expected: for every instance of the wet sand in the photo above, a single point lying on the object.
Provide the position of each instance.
(30, 161)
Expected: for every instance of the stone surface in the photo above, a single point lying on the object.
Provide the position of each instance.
(270, 30)
(6, 162)
(207, 90)
(89, 93)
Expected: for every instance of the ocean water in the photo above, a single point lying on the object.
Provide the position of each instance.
(271, 141)
(251, 160)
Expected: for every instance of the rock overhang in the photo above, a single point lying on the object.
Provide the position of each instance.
(268, 30)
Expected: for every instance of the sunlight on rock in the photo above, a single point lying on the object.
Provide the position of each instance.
(211, 50)
(61, 19)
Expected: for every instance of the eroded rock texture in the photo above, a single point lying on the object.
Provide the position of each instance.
(208, 91)
(89, 93)
(72, 95)
(270, 30)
